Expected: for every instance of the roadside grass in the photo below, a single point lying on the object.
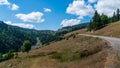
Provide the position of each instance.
(66, 56)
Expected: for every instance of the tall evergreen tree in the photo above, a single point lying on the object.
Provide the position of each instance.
(114, 17)
(118, 14)
(97, 21)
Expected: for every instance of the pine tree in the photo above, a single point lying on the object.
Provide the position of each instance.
(114, 17)
(118, 14)
(97, 21)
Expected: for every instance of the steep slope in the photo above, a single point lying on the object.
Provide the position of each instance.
(75, 52)
(12, 37)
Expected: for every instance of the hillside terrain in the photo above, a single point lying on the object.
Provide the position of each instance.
(46, 34)
(12, 37)
(77, 51)
(111, 30)
(73, 51)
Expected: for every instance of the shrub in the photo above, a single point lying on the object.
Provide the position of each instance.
(8, 55)
(26, 47)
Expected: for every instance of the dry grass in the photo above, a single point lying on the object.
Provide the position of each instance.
(94, 51)
(112, 30)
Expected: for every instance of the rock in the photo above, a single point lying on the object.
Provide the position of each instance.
(10, 65)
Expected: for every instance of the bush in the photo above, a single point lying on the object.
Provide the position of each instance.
(26, 47)
(8, 55)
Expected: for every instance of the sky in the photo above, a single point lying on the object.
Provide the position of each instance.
(53, 14)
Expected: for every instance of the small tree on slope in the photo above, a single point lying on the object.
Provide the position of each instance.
(26, 47)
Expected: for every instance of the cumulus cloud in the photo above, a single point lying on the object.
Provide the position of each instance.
(10, 5)
(47, 10)
(14, 7)
(29, 26)
(31, 17)
(70, 22)
(107, 7)
(4, 2)
(92, 1)
(80, 8)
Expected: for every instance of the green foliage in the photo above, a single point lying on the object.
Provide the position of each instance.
(6, 56)
(95, 22)
(104, 19)
(1, 57)
(12, 37)
(115, 17)
(99, 22)
(66, 56)
(26, 47)
(118, 14)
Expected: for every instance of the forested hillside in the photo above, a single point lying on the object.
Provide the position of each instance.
(12, 37)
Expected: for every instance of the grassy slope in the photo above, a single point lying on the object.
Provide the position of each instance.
(41, 58)
(94, 48)
(112, 30)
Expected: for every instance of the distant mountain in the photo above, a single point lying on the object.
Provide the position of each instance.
(65, 30)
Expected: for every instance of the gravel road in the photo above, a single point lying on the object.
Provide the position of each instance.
(115, 42)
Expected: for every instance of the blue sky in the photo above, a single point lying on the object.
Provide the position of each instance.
(51, 14)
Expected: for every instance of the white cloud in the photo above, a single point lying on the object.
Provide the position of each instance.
(70, 22)
(14, 7)
(31, 17)
(4, 2)
(29, 26)
(92, 1)
(10, 5)
(107, 7)
(80, 8)
(47, 10)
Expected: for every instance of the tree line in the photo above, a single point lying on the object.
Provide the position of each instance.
(99, 21)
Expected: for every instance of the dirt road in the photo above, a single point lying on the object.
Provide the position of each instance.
(115, 42)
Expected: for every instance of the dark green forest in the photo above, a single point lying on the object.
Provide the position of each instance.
(12, 37)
